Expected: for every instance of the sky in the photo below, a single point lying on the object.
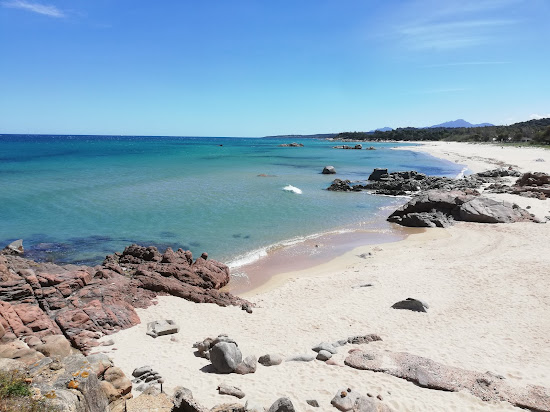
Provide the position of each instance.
(255, 68)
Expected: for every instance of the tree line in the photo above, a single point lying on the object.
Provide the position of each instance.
(533, 131)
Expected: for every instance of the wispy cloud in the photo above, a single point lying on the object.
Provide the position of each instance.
(429, 24)
(47, 10)
(464, 64)
(452, 35)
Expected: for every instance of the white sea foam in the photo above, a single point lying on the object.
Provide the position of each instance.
(257, 254)
(462, 172)
(293, 189)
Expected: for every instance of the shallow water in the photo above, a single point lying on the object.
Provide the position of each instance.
(77, 198)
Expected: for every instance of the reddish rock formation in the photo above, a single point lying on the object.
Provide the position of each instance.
(84, 303)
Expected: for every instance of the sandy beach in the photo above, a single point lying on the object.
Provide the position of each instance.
(486, 285)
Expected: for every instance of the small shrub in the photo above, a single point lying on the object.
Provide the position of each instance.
(15, 395)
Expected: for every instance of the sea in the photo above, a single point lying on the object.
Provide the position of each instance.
(75, 199)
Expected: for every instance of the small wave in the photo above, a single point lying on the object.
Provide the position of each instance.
(290, 188)
(259, 253)
(462, 173)
(248, 258)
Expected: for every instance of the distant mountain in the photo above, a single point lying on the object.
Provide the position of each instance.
(382, 129)
(460, 123)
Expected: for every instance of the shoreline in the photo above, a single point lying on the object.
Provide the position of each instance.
(263, 269)
(312, 251)
(483, 283)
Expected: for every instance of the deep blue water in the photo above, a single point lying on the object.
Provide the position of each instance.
(78, 198)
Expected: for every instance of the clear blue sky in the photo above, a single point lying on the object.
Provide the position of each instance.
(255, 68)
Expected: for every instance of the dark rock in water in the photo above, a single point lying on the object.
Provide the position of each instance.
(343, 186)
(282, 405)
(436, 208)
(84, 303)
(293, 144)
(356, 147)
(402, 183)
(329, 170)
(377, 174)
(411, 304)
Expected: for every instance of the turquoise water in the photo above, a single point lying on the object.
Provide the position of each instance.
(77, 198)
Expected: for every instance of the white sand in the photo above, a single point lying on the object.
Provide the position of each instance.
(487, 286)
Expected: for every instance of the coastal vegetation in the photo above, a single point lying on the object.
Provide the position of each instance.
(532, 131)
(15, 395)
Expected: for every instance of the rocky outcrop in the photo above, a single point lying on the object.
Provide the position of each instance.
(403, 183)
(436, 208)
(84, 303)
(535, 185)
(14, 248)
(293, 144)
(430, 374)
(67, 381)
(329, 170)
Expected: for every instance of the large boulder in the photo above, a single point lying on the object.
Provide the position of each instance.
(329, 170)
(225, 356)
(485, 210)
(440, 208)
